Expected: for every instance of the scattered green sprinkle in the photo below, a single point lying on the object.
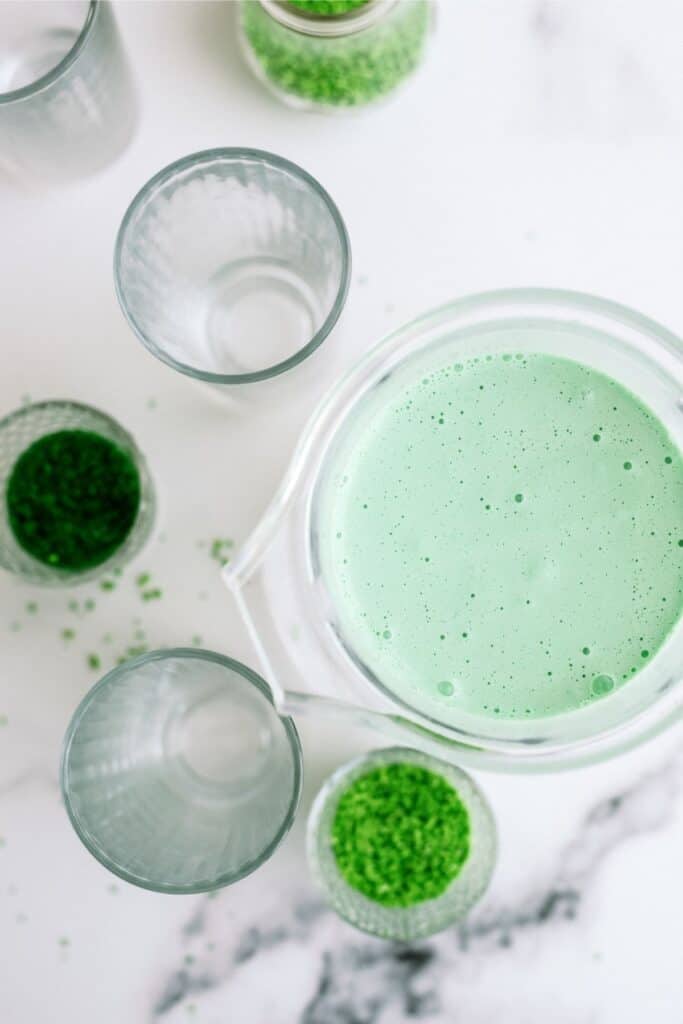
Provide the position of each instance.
(143, 579)
(328, 8)
(400, 834)
(31, 607)
(107, 585)
(220, 550)
(88, 604)
(94, 661)
(68, 634)
(153, 594)
(196, 640)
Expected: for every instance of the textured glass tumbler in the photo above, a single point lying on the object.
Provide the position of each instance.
(232, 266)
(178, 774)
(422, 919)
(21, 429)
(67, 102)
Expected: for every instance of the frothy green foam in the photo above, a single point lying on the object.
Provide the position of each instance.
(504, 536)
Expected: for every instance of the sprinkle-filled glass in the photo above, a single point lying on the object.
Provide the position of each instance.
(33, 423)
(404, 923)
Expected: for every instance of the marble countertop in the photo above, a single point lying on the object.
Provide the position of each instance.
(541, 144)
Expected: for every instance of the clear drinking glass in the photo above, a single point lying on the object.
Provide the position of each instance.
(178, 774)
(430, 916)
(67, 101)
(232, 266)
(21, 429)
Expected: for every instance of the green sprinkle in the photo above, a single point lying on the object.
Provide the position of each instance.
(345, 71)
(63, 941)
(31, 607)
(220, 550)
(151, 595)
(196, 640)
(88, 604)
(329, 8)
(68, 634)
(73, 606)
(72, 499)
(3, 720)
(107, 585)
(94, 661)
(143, 579)
(400, 834)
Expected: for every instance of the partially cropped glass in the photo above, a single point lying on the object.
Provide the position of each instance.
(178, 773)
(32, 423)
(428, 916)
(334, 56)
(67, 100)
(232, 266)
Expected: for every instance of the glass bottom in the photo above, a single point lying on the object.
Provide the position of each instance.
(259, 306)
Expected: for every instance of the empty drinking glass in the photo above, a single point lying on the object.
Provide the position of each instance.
(178, 774)
(232, 266)
(67, 103)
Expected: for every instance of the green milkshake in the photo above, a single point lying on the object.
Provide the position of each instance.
(504, 537)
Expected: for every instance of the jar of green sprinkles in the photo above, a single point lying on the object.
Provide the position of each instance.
(401, 843)
(77, 497)
(334, 54)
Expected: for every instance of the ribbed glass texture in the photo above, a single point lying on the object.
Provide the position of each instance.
(178, 774)
(67, 100)
(422, 919)
(232, 265)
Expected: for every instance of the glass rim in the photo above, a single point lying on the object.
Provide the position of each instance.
(198, 654)
(63, 65)
(233, 154)
(335, 26)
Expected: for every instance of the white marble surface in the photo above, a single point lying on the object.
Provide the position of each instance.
(542, 144)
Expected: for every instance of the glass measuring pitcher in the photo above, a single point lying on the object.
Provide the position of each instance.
(288, 607)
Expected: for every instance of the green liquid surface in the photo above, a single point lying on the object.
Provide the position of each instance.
(504, 537)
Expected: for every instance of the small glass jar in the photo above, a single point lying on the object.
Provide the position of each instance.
(404, 924)
(31, 423)
(334, 61)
